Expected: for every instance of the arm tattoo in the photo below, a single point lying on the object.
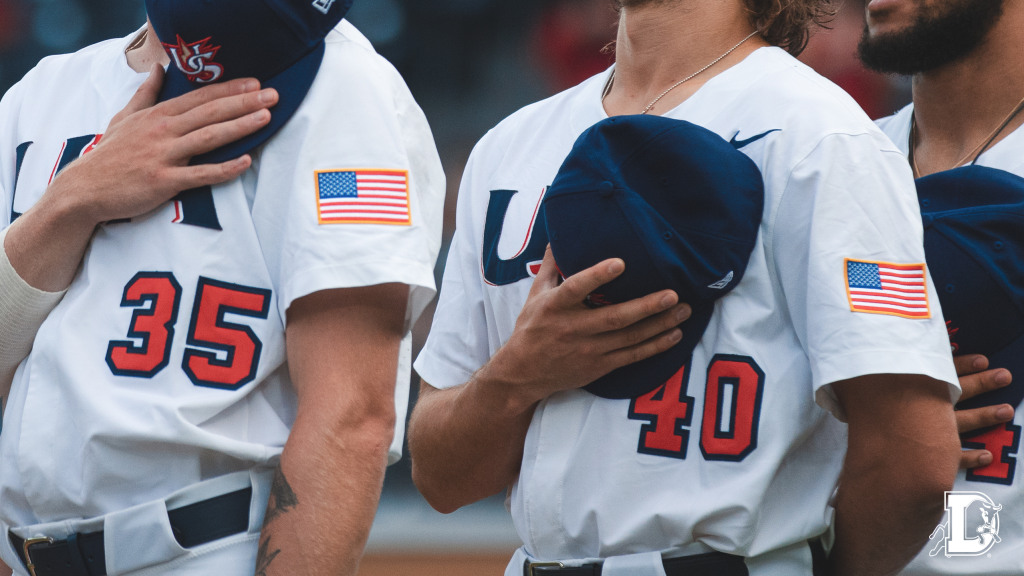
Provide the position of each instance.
(265, 556)
(282, 497)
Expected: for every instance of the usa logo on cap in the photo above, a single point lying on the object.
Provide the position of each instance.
(278, 42)
(195, 60)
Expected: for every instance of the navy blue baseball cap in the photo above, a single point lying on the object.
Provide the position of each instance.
(278, 42)
(974, 244)
(677, 203)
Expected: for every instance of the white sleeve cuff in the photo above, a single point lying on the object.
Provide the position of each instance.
(844, 367)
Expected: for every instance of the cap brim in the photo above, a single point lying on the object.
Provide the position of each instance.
(292, 85)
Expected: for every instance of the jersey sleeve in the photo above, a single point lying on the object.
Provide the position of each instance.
(358, 119)
(357, 127)
(849, 213)
(458, 341)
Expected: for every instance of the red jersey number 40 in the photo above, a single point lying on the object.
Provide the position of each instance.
(729, 423)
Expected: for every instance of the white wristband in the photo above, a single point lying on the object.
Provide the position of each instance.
(22, 310)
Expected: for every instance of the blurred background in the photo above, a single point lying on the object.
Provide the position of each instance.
(469, 63)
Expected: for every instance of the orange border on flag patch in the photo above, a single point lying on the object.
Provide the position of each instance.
(408, 200)
(849, 299)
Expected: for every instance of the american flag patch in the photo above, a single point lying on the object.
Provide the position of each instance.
(363, 196)
(886, 288)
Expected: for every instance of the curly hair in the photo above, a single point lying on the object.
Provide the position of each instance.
(787, 23)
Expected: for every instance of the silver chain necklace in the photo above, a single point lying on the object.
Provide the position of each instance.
(611, 78)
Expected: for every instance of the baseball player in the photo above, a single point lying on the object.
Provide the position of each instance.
(160, 423)
(736, 458)
(968, 85)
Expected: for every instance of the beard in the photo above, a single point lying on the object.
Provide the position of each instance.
(937, 37)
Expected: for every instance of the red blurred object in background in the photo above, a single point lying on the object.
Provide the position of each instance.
(568, 40)
(833, 53)
(12, 23)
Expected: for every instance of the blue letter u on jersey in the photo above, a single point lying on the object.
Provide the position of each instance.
(71, 150)
(503, 272)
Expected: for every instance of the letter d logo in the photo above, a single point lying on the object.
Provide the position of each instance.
(973, 523)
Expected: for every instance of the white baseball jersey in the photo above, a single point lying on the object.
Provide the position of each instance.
(1003, 480)
(733, 454)
(164, 364)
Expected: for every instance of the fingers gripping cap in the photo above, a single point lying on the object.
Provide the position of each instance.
(278, 42)
(677, 203)
(973, 218)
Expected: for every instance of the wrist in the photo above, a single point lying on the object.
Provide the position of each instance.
(46, 244)
(501, 379)
(67, 203)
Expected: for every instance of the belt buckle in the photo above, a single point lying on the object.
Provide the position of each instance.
(30, 542)
(530, 568)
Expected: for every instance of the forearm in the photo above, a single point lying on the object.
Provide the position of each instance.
(903, 455)
(880, 524)
(324, 496)
(332, 468)
(466, 442)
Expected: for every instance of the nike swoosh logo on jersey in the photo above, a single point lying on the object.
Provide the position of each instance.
(737, 144)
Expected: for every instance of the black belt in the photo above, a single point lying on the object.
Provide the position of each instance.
(710, 564)
(82, 554)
